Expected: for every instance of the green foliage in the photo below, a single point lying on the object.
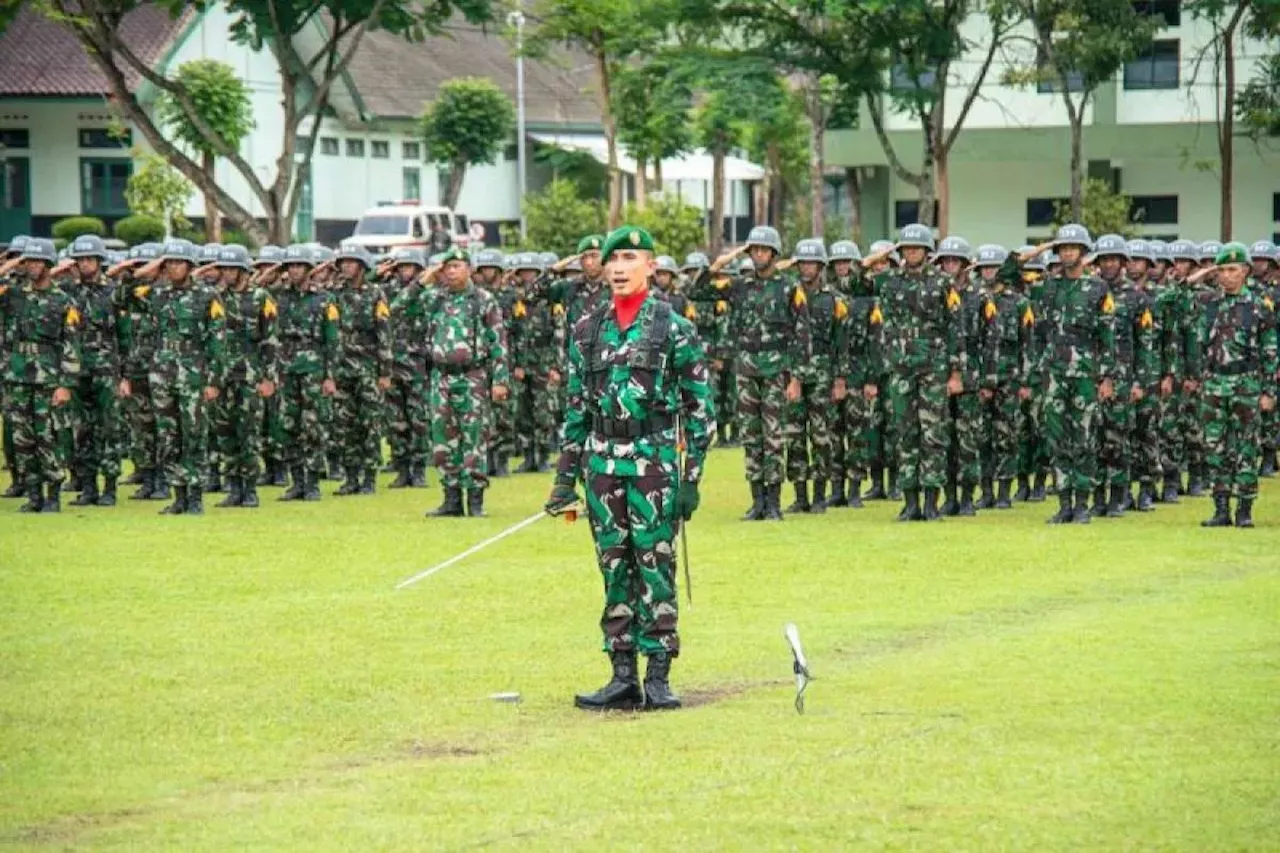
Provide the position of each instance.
(158, 190)
(797, 224)
(235, 236)
(221, 100)
(1258, 103)
(469, 123)
(652, 104)
(1103, 211)
(1091, 38)
(74, 226)
(777, 136)
(557, 218)
(587, 174)
(139, 228)
(677, 228)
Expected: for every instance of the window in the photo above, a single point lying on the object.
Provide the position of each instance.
(411, 182)
(15, 138)
(101, 137)
(102, 184)
(904, 79)
(1154, 209)
(1157, 69)
(1040, 210)
(302, 144)
(1275, 207)
(905, 213)
(418, 232)
(379, 150)
(329, 146)
(411, 151)
(1052, 83)
(1167, 10)
(355, 147)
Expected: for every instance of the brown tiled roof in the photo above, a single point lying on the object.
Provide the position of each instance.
(41, 57)
(396, 78)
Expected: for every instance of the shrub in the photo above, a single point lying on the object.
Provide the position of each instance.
(74, 226)
(139, 228)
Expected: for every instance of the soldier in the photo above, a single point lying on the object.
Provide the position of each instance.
(186, 375)
(712, 323)
(1235, 357)
(10, 276)
(770, 329)
(42, 364)
(308, 330)
(251, 378)
(488, 275)
(1159, 261)
(1266, 283)
(856, 434)
(535, 365)
(1033, 448)
(1179, 312)
(267, 275)
(637, 387)
(665, 279)
(881, 260)
(1003, 370)
(1076, 366)
(1144, 462)
(468, 368)
(408, 419)
(579, 295)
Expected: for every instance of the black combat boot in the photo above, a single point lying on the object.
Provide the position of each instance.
(1171, 484)
(1099, 506)
(988, 499)
(280, 476)
(159, 487)
(402, 476)
(1244, 513)
(622, 693)
(895, 492)
(838, 497)
(773, 502)
(89, 491)
(491, 464)
(911, 507)
(451, 506)
(311, 489)
(108, 496)
(1065, 511)
(1146, 497)
(503, 468)
(1024, 489)
(802, 498)
(657, 687)
(53, 498)
(1081, 514)
(334, 471)
(179, 505)
(544, 459)
(268, 473)
(950, 506)
(418, 475)
(35, 500)
(966, 508)
(213, 483)
(530, 463)
(195, 501)
(819, 504)
(475, 503)
(1039, 490)
(722, 435)
(134, 478)
(877, 491)
(77, 481)
(369, 482)
(1115, 506)
(855, 494)
(249, 496)
(350, 485)
(931, 504)
(299, 487)
(1268, 467)
(756, 513)
(148, 483)
(235, 493)
(1195, 481)
(1221, 511)
(1003, 501)
(15, 489)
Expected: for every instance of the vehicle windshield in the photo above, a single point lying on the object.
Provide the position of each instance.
(463, 225)
(383, 224)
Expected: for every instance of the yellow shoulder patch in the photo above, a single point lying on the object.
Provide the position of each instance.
(799, 300)
(331, 313)
(953, 299)
(73, 316)
(381, 311)
(1266, 300)
(842, 310)
(876, 317)
(721, 282)
(989, 311)
(690, 313)
(721, 306)
(215, 310)
(519, 310)
(141, 291)
(269, 309)
(558, 310)
(1028, 317)
(1108, 305)
(1146, 321)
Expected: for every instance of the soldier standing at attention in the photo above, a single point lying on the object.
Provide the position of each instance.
(534, 353)
(11, 275)
(267, 275)
(854, 426)
(1006, 358)
(1144, 460)
(409, 422)
(637, 386)
(713, 329)
(488, 275)
(1266, 283)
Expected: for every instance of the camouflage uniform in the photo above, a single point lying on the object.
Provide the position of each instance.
(268, 273)
(1178, 312)
(535, 353)
(1005, 361)
(1266, 283)
(17, 488)
(965, 413)
(851, 420)
(712, 323)
(408, 420)
(1144, 459)
(135, 299)
(490, 273)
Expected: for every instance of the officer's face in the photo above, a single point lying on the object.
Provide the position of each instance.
(1232, 276)
(176, 271)
(1183, 267)
(809, 270)
(591, 264)
(952, 266)
(628, 271)
(761, 256)
(487, 275)
(268, 275)
(297, 273)
(229, 277)
(1261, 268)
(406, 272)
(350, 268)
(1160, 268)
(988, 273)
(1070, 255)
(1138, 267)
(843, 268)
(88, 267)
(663, 279)
(527, 276)
(456, 274)
(35, 268)
(913, 256)
(1109, 265)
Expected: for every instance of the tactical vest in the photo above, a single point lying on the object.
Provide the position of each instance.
(1246, 365)
(646, 360)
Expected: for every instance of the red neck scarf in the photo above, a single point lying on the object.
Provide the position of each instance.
(627, 307)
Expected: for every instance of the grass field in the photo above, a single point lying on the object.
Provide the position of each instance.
(251, 680)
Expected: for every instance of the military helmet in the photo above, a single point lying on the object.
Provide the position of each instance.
(116, 257)
(528, 261)
(1051, 258)
(297, 253)
(17, 244)
(1264, 249)
(916, 234)
(234, 255)
(696, 261)
(488, 258)
(1036, 263)
(88, 246)
(812, 249)
(1111, 244)
(547, 259)
(145, 252)
(1183, 250)
(1159, 250)
(953, 247)
(767, 236)
(323, 254)
(883, 246)
(270, 255)
(991, 255)
(1139, 250)
(1073, 234)
(844, 250)
(745, 266)
(1232, 253)
(208, 253)
(1209, 250)
(40, 249)
(409, 256)
(354, 252)
(666, 263)
(179, 250)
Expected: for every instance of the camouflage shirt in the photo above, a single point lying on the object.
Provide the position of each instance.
(409, 332)
(1079, 329)
(101, 334)
(464, 332)
(137, 324)
(1137, 354)
(828, 313)
(922, 324)
(308, 330)
(190, 333)
(43, 346)
(253, 346)
(1010, 321)
(533, 342)
(1236, 343)
(364, 330)
(768, 322)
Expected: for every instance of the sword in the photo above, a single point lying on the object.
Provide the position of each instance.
(475, 549)
(684, 539)
(800, 666)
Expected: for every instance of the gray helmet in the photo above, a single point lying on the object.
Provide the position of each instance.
(270, 255)
(1183, 250)
(179, 250)
(1073, 234)
(1159, 250)
(40, 249)
(296, 253)
(916, 234)
(1051, 258)
(528, 261)
(88, 246)
(209, 253)
(881, 246)
(1265, 250)
(666, 263)
(1036, 263)
(1139, 250)
(548, 258)
(1111, 244)
(114, 258)
(953, 247)
(696, 261)
(436, 260)
(764, 235)
(409, 256)
(354, 252)
(574, 265)
(812, 249)
(1209, 250)
(234, 255)
(487, 258)
(844, 250)
(745, 265)
(17, 244)
(322, 254)
(991, 255)
(145, 252)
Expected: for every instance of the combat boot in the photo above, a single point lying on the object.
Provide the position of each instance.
(417, 475)
(756, 513)
(195, 501)
(819, 504)
(802, 498)
(1024, 489)
(657, 687)
(159, 487)
(838, 497)
(895, 493)
(950, 506)
(722, 435)
(280, 476)
(502, 469)
(1195, 482)
(876, 492)
(543, 455)
(773, 502)
(89, 493)
(15, 489)
(311, 489)
(1099, 506)
(1003, 501)
(350, 485)
(530, 463)
(179, 505)
(735, 437)
(491, 464)
(1039, 490)
(988, 499)
(451, 506)
(77, 482)
(1126, 498)
(1268, 467)
(134, 478)
(235, 493)
(148, 483)
(1244, 513)
(911, 507)
(53, 498)
(1081, 514)
(295, 491)
(1170, 490)
(475, 503)
(1115, 506)
(369, 482)
(931, 504)
(402, 476)
(855, 494)
(1221, 511)
(267, 477)
(1065, 511)
(249, 497)
(35, 500)
(108, 496)
(622, 693)
(213, 482)
(1146, 498)
(966, 508)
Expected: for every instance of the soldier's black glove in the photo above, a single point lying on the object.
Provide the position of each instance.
(564, 498)
(687, 500)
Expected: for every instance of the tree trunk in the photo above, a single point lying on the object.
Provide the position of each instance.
(1226, 127)
(942, 183)
(925, 212)
(853, 188)
(773, 156)
(715, 223)
(212, 218)
(642, 183)
(1076, 119)
(817, 162)
(657, 177)
(610, 138)
(453, 189)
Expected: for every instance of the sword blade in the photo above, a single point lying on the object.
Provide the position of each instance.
(515, 528)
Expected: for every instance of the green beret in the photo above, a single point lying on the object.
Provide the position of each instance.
(1232, 253)
(590, 243)
(626, 237)
(455, 254)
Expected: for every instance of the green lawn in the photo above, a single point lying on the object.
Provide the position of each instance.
(251, 680)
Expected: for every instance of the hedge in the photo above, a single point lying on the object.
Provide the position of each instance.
(74, 226)
(139, 228)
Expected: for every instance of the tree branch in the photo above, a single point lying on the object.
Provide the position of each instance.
(876, 104)
(997, 38)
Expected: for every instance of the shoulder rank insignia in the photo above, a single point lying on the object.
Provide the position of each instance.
(842, 310)
(1028, 317)
(989, 311)
(876, 317)
(215, 310)
(690, 313)
(1146, 321)
(799, 300)
(73, 316)
(953, 299)
(518, 310)
(381, 311)
(331, 313)
(269, 309)
(1108, 305)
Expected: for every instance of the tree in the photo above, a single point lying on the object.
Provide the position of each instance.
(469, 123)
(676, 227)
(1078, 46)
(221, 100)
(777, 135)
(306, 81)
(1258, 105)
(1102, 211)
(158, 190)
(557, 218)
(652, 104)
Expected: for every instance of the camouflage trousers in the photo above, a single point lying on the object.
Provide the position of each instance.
(965, 427)
(724, 393)
(882, 439)
(140, 416)
(272, 430)
(1144, 460)
(358, 410)
(460, 428)
(303, 421)
(182, 426)
(1070, 410)
(761, 401)
(1173, 456)
(919, 406)
(536, 410)
(1001, 415)
(236, 421)
(808, 432)
(856, 436)
(10, 456)
(97, 427)
(1232, 440)
(39, 433)
(634, 532)
(1033, 448)
(1114, 437)
(1192, 417)
(502, 437)
(408, 422)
